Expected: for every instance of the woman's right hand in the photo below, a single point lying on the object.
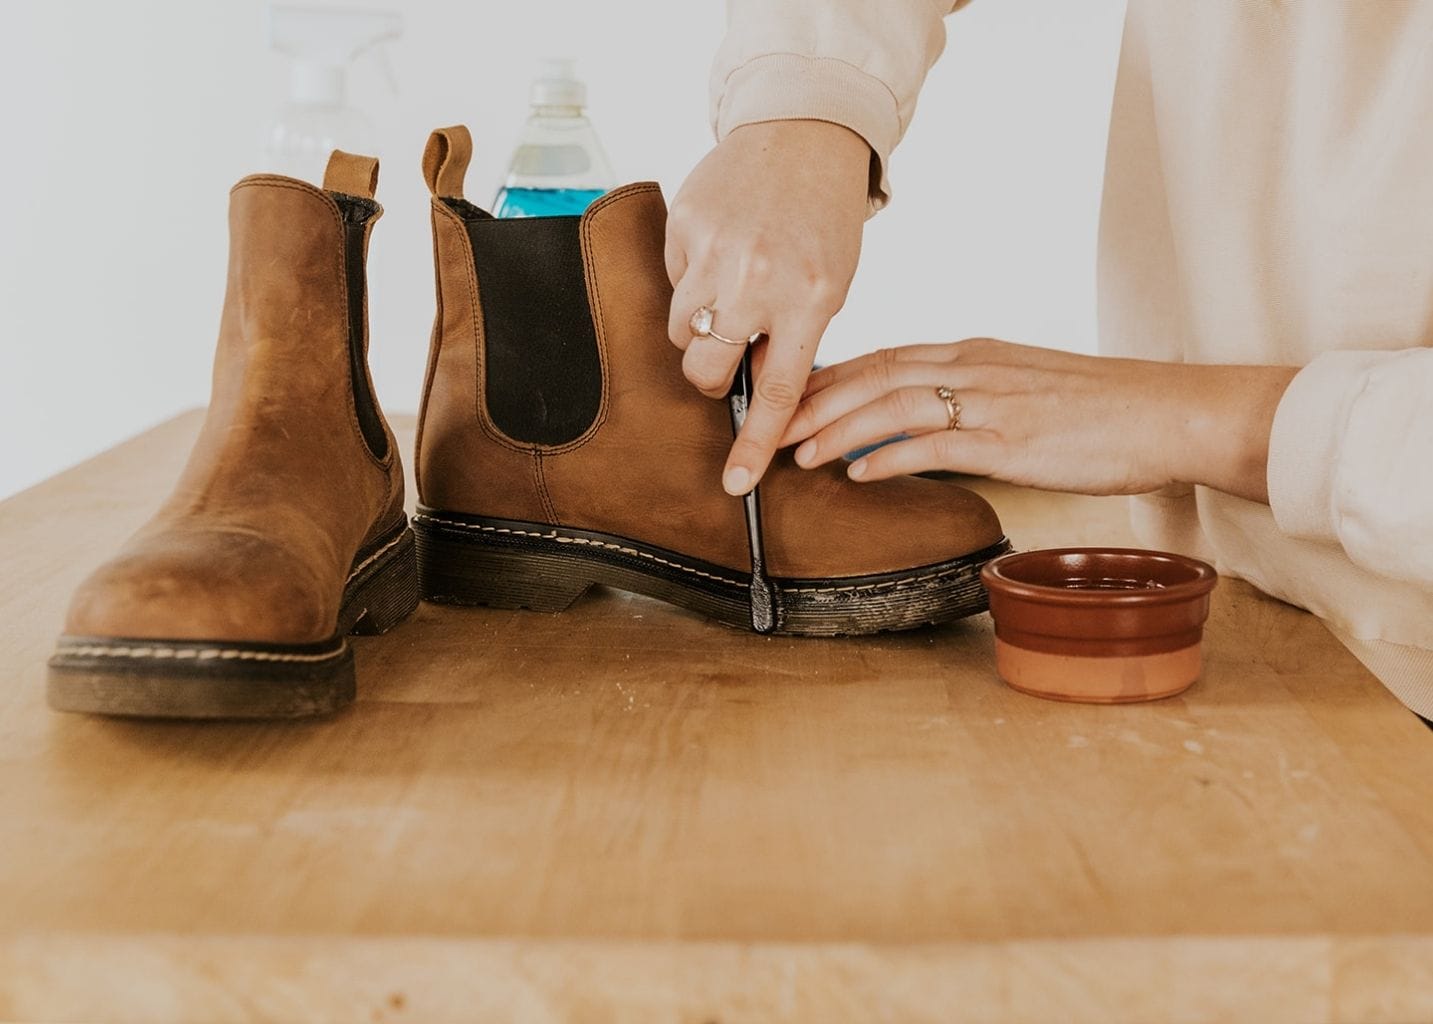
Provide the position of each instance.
(766, 231)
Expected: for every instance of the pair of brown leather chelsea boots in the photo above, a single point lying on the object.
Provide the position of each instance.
(559, 447)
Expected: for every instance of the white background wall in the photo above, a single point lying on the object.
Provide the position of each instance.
(123, 124)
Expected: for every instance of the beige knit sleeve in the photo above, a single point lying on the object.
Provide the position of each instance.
(1350, 457)
(856, 63)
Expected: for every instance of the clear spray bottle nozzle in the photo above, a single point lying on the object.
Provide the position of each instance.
(322, 44)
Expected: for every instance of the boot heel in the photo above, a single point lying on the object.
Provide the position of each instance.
(463, 570)
(390, 595)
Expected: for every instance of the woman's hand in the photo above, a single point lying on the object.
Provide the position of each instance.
(766, 231)
(1045, 419)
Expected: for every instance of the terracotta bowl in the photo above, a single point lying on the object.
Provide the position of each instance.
(1101, 625)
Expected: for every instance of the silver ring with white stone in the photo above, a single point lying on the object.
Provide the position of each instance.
(701, 325)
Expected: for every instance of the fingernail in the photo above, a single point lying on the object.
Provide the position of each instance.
(857, 470)
(806, 453)
(737, 481)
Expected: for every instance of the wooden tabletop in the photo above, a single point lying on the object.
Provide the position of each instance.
(625, 813)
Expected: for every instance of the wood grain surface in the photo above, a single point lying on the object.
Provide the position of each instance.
(624, 813)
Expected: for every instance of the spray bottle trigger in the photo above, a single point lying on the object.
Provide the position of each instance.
(445, 160)
(380, 57)
(351, 174)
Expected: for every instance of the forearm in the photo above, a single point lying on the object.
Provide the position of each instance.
(850, 62)
(1340, 450)
(1219, 425)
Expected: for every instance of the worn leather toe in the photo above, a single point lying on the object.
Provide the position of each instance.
(205, 585)
(820, 524)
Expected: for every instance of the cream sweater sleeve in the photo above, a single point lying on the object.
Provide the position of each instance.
(856, 63)
(1351, 459)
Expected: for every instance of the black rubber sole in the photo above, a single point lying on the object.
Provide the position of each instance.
(472, 560)
(222, 679)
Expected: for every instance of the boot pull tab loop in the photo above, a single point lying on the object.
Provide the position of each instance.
(445, 161)
(351, 174)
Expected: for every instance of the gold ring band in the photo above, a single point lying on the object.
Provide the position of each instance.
(952, 407)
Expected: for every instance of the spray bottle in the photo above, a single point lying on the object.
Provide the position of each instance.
(321, 43)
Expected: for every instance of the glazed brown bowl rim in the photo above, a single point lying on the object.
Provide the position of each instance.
(995, 578)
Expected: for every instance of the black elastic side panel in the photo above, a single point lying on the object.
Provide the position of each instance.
(543, 374)
(356, 214)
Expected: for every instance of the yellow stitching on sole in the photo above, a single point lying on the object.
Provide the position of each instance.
(375, 556)
(198, 654)
(554, 536)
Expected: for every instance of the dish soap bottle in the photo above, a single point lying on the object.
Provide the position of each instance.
(321, 43)
(559, 167)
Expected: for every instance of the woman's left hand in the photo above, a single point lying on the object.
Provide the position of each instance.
(1045, 419)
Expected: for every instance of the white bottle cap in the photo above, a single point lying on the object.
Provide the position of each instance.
(557, 85)
(317, 83)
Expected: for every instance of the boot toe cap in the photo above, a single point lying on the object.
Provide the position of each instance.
(197, 587)
(869, 529)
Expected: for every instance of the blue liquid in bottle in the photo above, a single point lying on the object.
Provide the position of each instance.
(543, 202)
(558, 167)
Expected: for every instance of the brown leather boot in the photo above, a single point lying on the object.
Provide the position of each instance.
(560, 447)
(286, 530)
